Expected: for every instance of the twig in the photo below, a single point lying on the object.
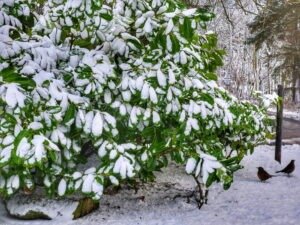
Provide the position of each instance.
(226, 13)
(240, 4)
(202, 198)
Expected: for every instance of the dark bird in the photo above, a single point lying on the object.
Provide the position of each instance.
(288, 169)
(262, 174)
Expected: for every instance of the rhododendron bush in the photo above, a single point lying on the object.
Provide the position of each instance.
(133, 78)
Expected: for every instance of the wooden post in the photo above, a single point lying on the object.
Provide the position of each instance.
(279, 119)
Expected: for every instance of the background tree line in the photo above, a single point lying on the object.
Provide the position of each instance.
(262, 40)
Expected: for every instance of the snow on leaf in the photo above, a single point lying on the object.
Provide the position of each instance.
(139, 83)
(133, 115)
(145, 91)
(172, 78)
(74, 61)
(47, 181)
(126, 95)
(8, 140)
(194, 123)
(87, 183)
(23, 148)
(190, 165)
(90, 170)
(77, 175)
(102, 150)
(35, 126)
(183, 58)
(156, 117)
(97, 126)
(88, 122)
(169, 44)
(118, 164)
(170, 26)
(62, 187)
(123, 110)
(153, 96)
(148, 26)
(161, 78)
(113, 154)
(14, 97)
(15, 182)
(110, 119)
(189, 12)
(97, 187)
(144, 156)
(210, 163)
(182, 116)
(5, 153)
(114, 180)
(107, 97)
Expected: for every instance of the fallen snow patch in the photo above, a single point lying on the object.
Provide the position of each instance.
(248, 201)
(289, 114)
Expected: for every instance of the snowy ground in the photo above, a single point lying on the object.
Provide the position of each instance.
(288, 113)
(248, 201)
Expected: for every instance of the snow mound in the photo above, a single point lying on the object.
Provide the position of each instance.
(28, 207)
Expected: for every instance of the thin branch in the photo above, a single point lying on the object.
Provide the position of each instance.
(226, 13)
(258, 5)
(240, 4)
(202, 195)
(200, 202)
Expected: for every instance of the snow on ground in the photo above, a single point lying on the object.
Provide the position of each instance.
(248, 201)
(292, 114)
(288, 113)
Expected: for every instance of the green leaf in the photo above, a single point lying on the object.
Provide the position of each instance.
(208, 98)
(10, 76)
(175, 44)
(226, 186)
(211, 179)
(70, 113)
(186, 29)
(106, 16)
(211, 76)
(230, 161)
(234, 168)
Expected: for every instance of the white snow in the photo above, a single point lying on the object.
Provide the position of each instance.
(248, 201)
(145, 91)
(97, 126)
(62, 187)
(61, 211)
(88, 122)
(170, 26)
(190, 165)
(288, 113)
(13, 95)
(87, 183)
(153, 96)
(156, 117)
(189, 12)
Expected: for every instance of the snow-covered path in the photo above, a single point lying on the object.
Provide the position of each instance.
(248, 201)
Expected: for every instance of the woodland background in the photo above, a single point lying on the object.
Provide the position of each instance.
(262, 44)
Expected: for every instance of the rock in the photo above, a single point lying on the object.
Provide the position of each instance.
(38, 206)
(84, 207)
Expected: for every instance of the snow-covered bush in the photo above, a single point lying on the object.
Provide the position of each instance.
(136, 78)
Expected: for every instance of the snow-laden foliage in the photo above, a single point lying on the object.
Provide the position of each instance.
(135, 78)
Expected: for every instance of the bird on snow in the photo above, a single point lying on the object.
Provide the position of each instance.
(288, 169)
(262, 174)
